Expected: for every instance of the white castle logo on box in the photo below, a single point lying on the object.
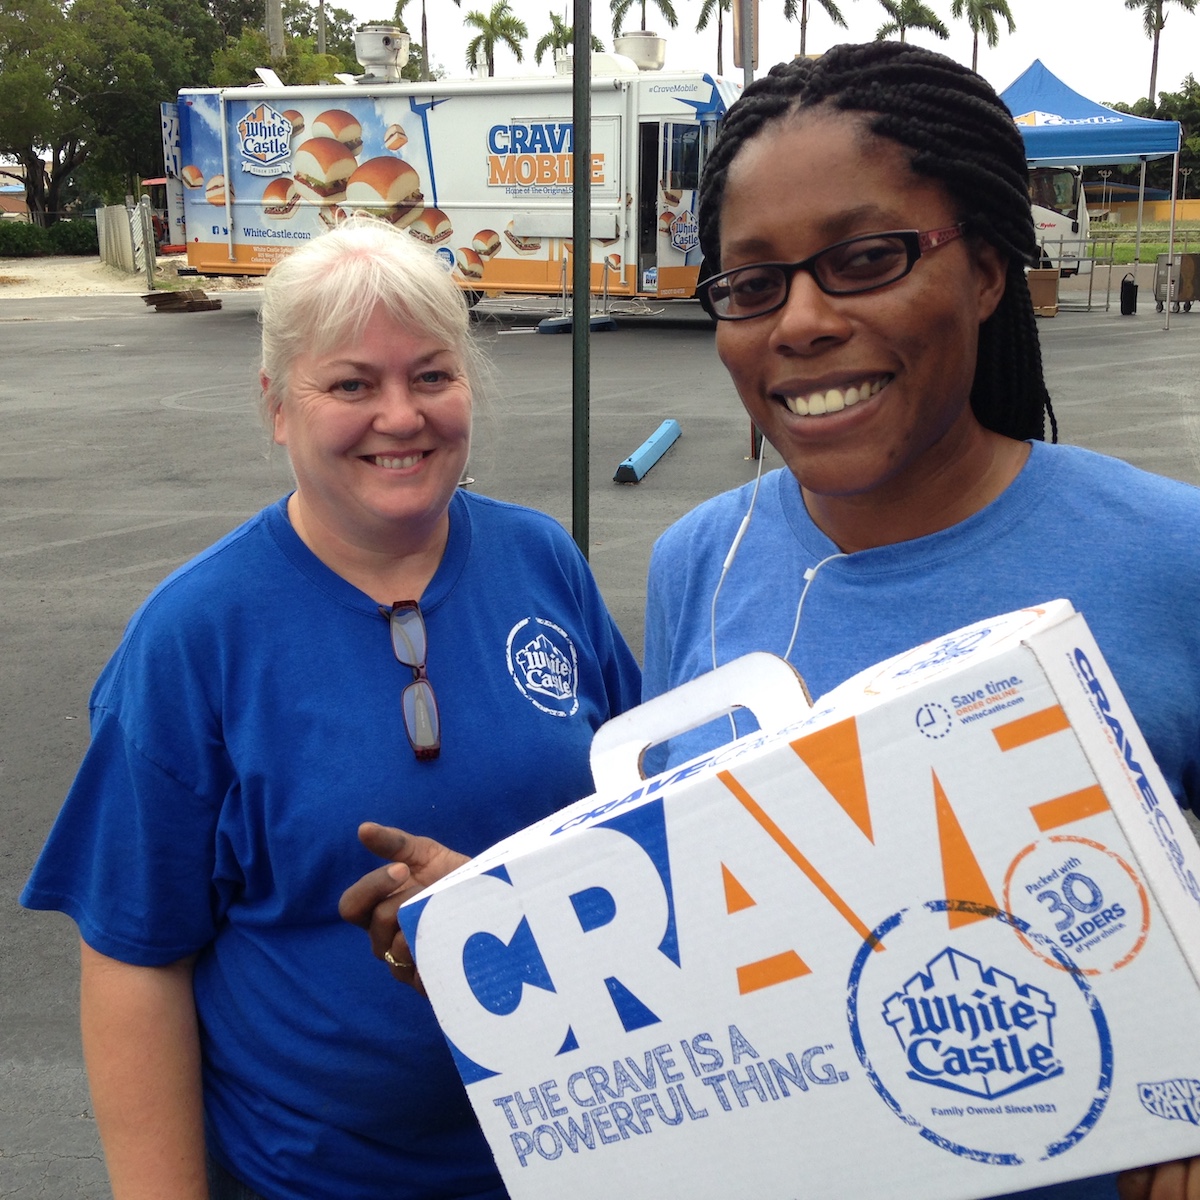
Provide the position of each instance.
(973, 1029)
(947, 650)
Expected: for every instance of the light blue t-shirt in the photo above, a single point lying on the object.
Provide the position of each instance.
(1122, 545)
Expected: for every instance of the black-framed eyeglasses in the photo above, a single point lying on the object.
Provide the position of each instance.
(859, 264)
(418, 702)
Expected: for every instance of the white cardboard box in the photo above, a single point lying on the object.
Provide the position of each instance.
(937, 937)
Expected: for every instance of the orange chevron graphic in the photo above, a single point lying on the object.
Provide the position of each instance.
(767, 972)
(833, 756)
(961, 871)
(736, 896)
(1028, 729)
(1074, 806)
(789, 848)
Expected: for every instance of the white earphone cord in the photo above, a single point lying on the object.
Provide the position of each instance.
(809, 575)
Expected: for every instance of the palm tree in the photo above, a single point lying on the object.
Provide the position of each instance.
(789, 14)
(500, 25)
(981, 16)
(912, 14)
(561, 37)
(620, 9)
(1153, 20)
(720, 7)
(399, 19)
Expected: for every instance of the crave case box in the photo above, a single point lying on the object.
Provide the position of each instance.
(936, 936)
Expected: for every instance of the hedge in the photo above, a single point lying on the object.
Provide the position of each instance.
(19, 239)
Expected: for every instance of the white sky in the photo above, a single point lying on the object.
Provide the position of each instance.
(1097, 47)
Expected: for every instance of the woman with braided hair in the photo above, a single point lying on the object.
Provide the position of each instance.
(865, 220)
(865, 223)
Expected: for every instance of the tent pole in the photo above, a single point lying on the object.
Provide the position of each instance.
(1171, 244)
(1137, 254)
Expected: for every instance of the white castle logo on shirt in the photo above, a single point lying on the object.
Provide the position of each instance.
(547, 669)
(973, 1029)
(544, 666)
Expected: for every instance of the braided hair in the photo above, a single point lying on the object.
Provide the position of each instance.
(958, 132)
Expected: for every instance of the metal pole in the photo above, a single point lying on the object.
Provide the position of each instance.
(746, 30)
(581, 228)
(1137, 253)
(1171, 246)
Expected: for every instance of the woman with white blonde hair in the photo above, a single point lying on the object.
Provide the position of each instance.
(379, 643)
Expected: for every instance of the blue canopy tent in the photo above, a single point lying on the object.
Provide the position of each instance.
(1062, 128)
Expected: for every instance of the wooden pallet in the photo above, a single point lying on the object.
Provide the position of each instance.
(1049, 310)
(190, 300)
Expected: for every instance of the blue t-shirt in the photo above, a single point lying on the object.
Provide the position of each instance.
(249, 720)
(1122, 545)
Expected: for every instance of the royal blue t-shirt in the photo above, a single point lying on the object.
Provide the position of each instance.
(249, 720)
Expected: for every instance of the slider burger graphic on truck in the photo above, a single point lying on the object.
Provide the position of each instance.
(322, 167)
(340, 125)
(387, 188)
(280, 199)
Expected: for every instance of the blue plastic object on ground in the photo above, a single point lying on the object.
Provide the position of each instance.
(634, 468)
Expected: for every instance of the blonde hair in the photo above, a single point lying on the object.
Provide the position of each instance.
(322, 297)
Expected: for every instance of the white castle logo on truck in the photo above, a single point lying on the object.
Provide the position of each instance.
(973, 1029)
(266, 138)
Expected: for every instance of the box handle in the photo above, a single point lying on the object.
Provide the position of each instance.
(770, 687)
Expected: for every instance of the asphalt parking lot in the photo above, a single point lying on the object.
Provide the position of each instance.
(129, 441)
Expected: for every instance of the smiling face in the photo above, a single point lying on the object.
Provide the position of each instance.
(866, 397)
(378, 434)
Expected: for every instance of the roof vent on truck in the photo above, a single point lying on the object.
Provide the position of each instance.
(603, 65)
(382, 50)
(646, 49)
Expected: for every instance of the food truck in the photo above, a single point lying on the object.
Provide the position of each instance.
(482, 170)
(1060, 216)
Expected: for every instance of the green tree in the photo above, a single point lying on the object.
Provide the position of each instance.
(132, 57)
(34, 42)
(502, 27)
(300, 65)
(232, 16)
(1182, 106)
(620, 10)
(426, 72)
(80, 87)
(560, 37)
(981, 17)
(1153, 19)
(910, 14)
(301, 19)
(720, 8)
(791, 8)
